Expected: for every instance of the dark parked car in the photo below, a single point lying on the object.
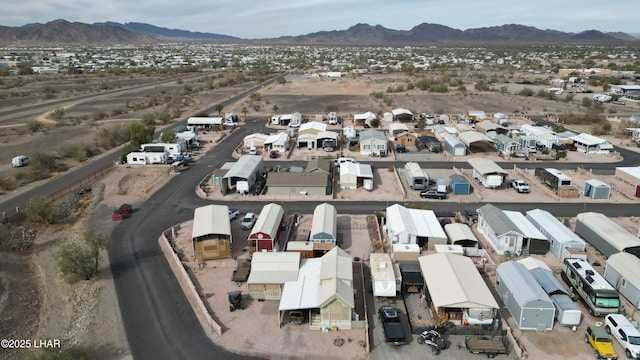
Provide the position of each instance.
(126, 209)
(433, 194)
(401, 148)
(391, 325)
(273, 154)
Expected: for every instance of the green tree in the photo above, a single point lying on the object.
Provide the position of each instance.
(244, 112)
(275, 109)
(168, 137)
(375, 123)
(79, 261)
(558, 128)
(96, 242)
(281, 80)
(586, 102)
(218, 108)
(140, 134)
(75, 262)
(561, 154)
(42, 210)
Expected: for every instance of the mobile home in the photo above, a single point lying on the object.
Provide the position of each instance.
(555, 178)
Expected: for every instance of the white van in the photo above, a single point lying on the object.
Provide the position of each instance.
(20, 161)
(627, 335)
(253, 150)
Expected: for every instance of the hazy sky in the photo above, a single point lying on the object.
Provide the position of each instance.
(272, 18)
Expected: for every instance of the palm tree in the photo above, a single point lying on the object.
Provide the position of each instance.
(275, 109)
(244, 112)
(219, 108)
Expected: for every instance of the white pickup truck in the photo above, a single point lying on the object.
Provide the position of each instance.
(520, 186)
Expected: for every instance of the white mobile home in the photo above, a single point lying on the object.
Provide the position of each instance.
(606, 235)
(414, 226)
(510, 232)
(560, 237)
(373, 142)
(621, 271)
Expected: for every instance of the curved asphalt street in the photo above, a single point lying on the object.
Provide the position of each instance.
(157, 317)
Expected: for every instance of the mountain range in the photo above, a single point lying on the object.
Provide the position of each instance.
(133, 33)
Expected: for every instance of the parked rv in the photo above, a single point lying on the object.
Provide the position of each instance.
(20, 161)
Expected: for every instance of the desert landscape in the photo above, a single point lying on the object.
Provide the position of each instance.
(86, 313)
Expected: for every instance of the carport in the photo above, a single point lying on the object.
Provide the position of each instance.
(481, 142)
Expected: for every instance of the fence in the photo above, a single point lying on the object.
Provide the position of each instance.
(19, 214)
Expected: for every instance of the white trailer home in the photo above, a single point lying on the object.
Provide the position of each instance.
(416, 177)
(172, 149)
(621, 271)
(385, 275)
(144, 158)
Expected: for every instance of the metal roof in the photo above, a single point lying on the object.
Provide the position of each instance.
(454, 281)
(524, 226)
(269, 220)
(549, 283)
(313, 125)
(324, 222)
(522, 285)
(499, 222)
(551, 226)
(274, 267)
(281, 137)
(423, 223)
(211, 219)
(459, 231)
(486, 166)
(608, 229)
(589, 140)
(626, 265)
(366, 135)
(245, 167)
(471, 136)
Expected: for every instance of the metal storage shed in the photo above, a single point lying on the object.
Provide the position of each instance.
(459, 185)
(621, 271)
(560, 237)
(211, 232)
(596, 189)
(526, 300)
(606, 235)
(324, 224)
(454, 146)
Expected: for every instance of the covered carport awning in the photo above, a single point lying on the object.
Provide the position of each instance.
(469, 137)
(332, 135)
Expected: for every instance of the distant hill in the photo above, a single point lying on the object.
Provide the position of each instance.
(434, 34)
(64, 32)
(161, 32)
